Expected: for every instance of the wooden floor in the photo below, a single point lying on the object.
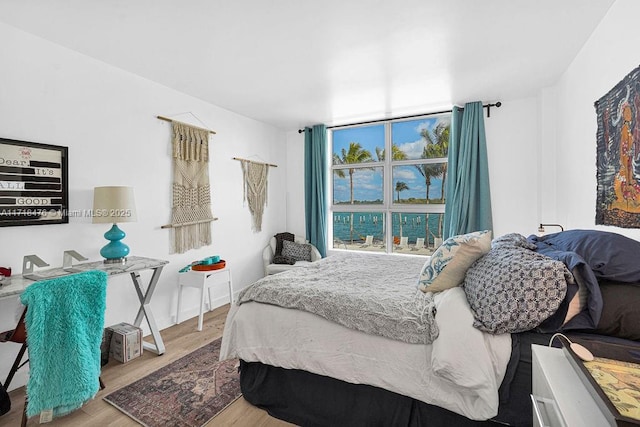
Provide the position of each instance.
(179, 341)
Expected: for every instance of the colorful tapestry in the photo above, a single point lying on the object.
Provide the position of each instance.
(618, 154)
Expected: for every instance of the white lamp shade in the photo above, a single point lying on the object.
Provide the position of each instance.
(113, 205)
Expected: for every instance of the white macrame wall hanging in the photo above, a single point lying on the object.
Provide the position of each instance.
(255, 190)
(191, 198)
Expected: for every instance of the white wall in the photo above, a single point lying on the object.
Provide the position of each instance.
(513, 138)
(607, 57)
(107, 118)
(295, 183)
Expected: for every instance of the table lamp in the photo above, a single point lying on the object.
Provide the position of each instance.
(113, 205)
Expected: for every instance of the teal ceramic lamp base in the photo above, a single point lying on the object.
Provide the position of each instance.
(115, 251)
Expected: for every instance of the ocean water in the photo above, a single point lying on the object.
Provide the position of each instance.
(365, 224)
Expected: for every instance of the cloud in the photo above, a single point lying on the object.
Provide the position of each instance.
(404, 173)
(370, 187)
(431, 123)
(428, 125)
(413, 150)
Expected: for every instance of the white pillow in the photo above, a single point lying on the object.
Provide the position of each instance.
(446, 252)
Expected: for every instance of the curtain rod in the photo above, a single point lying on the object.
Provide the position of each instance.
(251, 161)
(487, 106)
(167, 119)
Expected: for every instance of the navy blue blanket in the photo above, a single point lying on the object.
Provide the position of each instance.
(582, 272)
(591, 255)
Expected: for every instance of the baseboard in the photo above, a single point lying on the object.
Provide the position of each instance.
(194, 311)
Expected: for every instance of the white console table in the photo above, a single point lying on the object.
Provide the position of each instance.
(14, 285)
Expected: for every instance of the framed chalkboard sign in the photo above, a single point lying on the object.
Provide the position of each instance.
(34, 186)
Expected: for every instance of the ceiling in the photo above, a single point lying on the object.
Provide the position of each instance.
(292, 63)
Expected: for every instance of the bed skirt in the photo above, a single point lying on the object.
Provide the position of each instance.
(308, 400)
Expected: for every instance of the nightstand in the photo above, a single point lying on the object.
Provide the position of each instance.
(202, 280)
(559, 397)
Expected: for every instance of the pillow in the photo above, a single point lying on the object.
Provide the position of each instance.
(620, 314)
(281, 259)
(296, 251)
(453, 273)
(514, 289)
(280, 237)
(610, 255)
(445, 253)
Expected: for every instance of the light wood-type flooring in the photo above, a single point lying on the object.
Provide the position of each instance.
(179, 340)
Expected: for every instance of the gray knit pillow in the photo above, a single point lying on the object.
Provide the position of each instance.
(297, 251)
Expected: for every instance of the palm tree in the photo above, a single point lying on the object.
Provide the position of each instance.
(396, 153)
(401, 186)
(437, 146)
(355, 154)
(441, 149)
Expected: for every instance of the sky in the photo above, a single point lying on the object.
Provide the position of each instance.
(368, 182)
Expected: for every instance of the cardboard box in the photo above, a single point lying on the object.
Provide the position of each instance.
(105, 346)
(126, 342)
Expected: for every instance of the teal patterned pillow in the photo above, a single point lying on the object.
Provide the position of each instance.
(445, 253)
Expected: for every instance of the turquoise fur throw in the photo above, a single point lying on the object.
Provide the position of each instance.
(65, 321)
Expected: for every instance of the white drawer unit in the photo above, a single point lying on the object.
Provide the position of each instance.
(559, 397)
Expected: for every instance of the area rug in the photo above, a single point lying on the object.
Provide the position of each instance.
(186, 393)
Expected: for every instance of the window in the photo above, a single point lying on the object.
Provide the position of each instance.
(390, 203)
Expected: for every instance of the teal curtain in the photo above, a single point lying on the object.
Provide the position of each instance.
(315, 180)
(468, 199)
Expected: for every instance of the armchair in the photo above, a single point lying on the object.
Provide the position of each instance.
(269, 251)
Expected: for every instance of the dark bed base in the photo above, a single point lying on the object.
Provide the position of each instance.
(306, 399)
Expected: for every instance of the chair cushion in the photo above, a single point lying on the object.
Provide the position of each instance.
(281, 259)
(296, 251)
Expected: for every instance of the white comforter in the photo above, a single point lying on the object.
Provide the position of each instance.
(460, 371)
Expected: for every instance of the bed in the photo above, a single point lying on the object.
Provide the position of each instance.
(363, 339)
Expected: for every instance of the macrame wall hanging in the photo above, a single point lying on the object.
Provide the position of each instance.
(191, 200)
(255, 188)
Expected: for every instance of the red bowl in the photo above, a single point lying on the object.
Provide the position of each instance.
(204, 267)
